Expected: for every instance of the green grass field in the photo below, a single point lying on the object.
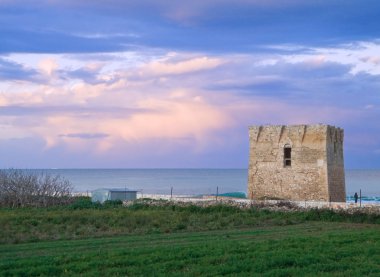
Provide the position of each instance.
(141, 240)
(60, 223)
(313, 249)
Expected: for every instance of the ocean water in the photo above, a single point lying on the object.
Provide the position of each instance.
(196, 181)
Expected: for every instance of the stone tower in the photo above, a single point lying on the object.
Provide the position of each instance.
(297, 162)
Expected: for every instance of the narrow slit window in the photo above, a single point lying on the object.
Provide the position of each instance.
(287, 156)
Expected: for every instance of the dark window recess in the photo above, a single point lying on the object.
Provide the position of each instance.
(287, 156)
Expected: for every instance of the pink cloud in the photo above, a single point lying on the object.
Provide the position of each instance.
(159, 99)
(169, 67)
(261, 110)
(371, 59)
(48, 66)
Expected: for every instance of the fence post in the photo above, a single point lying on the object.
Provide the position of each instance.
(360, 192)
(171, 193)
(126, 195)
(217, 192)
(305, 199)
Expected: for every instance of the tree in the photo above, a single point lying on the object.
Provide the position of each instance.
(20, 188)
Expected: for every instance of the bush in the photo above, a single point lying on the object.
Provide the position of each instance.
(113, 203)
(19, 188)
(84, 202)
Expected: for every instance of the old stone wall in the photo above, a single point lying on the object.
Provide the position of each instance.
(314, 173)
(335, 165)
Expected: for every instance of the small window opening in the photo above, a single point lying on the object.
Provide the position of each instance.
(287, 156)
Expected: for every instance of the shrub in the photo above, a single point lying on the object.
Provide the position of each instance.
(113, 203)
(84, 202)
(20, 188)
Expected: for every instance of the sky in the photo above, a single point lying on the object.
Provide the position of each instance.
(168, 84)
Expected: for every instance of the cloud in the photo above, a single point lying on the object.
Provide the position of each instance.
(126, 109)
(85, 135)
(165, 102)
(72, 110)
(169, 67)
(206, 26)
(48, 66)
(88, 73)
(372, 60)
(10, 70)
(31, 41)
(360, 56)
(176, 81)
(369, 106)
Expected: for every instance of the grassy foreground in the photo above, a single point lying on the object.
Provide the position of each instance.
(311, 249)
(87, 220)
(170, 240)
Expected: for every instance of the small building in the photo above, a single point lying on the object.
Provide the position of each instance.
(104, 194)
(296, 162)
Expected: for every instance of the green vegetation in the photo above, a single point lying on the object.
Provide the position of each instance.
(312, 249)
(91, 239)
(84, 219)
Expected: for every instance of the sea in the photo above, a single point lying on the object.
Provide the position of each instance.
(196, 181)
